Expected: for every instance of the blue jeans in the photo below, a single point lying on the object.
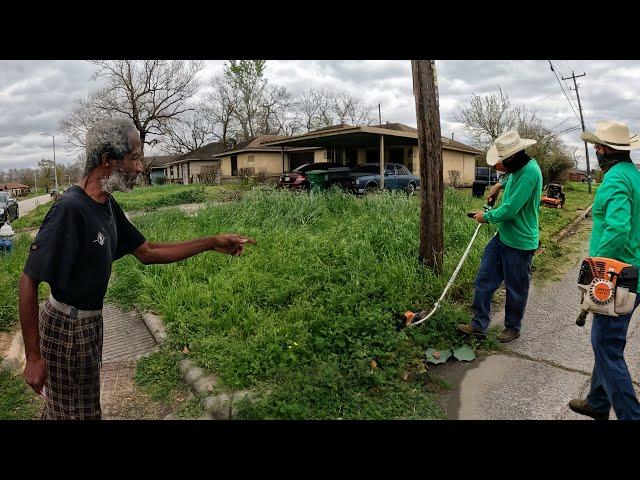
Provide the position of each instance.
(611, 381)
(501, 262)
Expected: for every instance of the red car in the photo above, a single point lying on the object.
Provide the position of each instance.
(297, 179)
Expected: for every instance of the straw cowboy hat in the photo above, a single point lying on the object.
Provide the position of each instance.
(506, 145)
(612, 134)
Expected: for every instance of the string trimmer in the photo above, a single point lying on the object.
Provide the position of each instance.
(410, 318)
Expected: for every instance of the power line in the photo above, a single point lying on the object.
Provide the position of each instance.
(563, 91)
(566, 130)
(570, 97)
(558, 124)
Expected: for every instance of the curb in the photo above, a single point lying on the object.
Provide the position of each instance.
(217, 407)
(155, 325)
(565, 231)
(15, 359)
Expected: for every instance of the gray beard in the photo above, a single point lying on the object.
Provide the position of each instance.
(117, 182)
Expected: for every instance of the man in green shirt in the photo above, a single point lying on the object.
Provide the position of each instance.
(616, 235)
(508, 256)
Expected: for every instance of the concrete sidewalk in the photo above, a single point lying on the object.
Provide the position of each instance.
(126, 339)
(536, 375)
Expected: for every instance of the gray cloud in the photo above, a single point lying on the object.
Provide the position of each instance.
(35, 95)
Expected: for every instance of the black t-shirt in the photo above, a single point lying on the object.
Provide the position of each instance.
(78, 241)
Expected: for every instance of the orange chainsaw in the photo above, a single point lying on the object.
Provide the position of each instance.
(608, 287)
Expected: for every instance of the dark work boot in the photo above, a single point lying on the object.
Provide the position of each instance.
(469, 330)
(507, 335)
(581, 406)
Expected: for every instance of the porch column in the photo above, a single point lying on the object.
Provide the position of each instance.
(381, 161)
(282, 149)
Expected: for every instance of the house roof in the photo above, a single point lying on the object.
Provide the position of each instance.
(203, 153)
(159, 161)
(395, 134)
(575, 170)
(257, 144)
(12, 185)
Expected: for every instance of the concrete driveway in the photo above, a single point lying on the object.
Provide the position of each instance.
(25, 206)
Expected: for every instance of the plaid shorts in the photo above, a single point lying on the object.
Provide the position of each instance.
(72, 351)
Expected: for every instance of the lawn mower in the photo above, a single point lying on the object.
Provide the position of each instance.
(554, 197)
(410, 318)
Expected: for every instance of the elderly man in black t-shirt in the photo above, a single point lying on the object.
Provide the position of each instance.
(83, 233)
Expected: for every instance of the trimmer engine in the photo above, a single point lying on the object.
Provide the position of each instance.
(608, 287)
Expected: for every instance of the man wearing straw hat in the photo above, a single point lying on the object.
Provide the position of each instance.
(616, 235)
(508, 256)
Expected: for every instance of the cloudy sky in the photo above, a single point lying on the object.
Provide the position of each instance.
(35, 95)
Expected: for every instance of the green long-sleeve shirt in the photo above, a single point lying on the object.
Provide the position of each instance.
(517, 215)
(616, 216)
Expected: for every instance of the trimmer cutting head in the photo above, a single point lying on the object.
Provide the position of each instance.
(408, 317)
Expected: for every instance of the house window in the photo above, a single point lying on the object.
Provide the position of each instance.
(251, 159)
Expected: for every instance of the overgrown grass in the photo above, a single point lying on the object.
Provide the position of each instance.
(151, 198)
(309, 313)
(158, 375)
(17, 400)
(227, 192)
(11, 266)
(34, 218)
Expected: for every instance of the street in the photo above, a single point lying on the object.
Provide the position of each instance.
(25, 206)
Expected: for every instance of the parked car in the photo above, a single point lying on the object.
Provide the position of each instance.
(9, 210)
(366, 178)
(297, 179)
(486, 175)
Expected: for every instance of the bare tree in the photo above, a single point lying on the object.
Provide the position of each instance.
(318, 108)
(152, 93)
(308, 106)
(487, 117)
(189, 132)
(220, 107)
(351, 110)
(277, 112)
(315, 110)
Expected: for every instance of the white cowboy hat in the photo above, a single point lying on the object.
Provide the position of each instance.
(506, 145)
(612, 134)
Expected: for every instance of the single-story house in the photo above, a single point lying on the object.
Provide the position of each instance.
(192, 166)
(157, 166)
(575, 175)
(253, 157)
(16, 189)
(349, 145)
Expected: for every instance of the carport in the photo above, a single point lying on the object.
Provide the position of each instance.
(345, 142)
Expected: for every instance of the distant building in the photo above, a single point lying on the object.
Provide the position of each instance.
(17, 189)
(157, 173)
(575, 175)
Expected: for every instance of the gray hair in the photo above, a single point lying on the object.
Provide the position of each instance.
(111, 136)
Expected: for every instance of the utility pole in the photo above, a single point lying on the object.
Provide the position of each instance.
(55, 169)
(425, 91)
(586, 148)
(379, 114)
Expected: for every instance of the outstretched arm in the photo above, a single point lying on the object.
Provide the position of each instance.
(149, 252)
